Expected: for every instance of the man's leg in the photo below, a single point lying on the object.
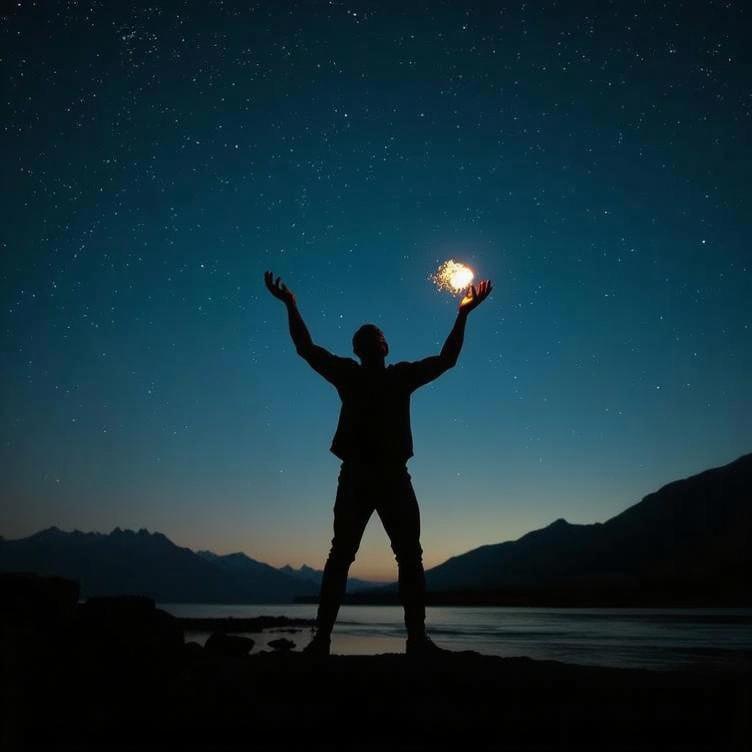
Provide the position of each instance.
(398, 509)
(352, 510)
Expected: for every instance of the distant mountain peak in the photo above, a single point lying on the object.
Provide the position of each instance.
(146, 563)
(239, 556)
(48, 532)
(689, 536)
(303, 571)
(140, 533)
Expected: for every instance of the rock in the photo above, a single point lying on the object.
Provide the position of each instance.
(236, 625)
(231, 646)
(128, 625)
(192, 649)
(36, 620)
(282, 644)
(27, 597)
(130, 607)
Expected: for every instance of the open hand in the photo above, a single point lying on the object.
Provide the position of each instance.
(278, 288)
(474, 298)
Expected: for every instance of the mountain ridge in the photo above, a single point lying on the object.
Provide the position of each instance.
(695, 529)
(692, 536)
(149, 563)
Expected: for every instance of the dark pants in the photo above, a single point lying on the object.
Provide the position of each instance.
(386, 488)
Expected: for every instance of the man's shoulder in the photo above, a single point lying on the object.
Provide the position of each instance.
(416, 373)
(408, 366)
(401, 370)
(340, 360)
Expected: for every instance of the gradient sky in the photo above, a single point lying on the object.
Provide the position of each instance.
(591, 158)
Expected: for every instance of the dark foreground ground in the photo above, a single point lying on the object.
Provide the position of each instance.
(117, 675)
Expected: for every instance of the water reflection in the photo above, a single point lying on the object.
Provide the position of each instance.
(636, 638)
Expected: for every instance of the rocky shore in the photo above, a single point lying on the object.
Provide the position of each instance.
(116, 673)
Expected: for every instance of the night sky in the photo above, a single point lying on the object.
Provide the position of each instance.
(591, 158)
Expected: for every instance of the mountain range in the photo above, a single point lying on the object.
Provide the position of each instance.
(689, 542)
(145, 563)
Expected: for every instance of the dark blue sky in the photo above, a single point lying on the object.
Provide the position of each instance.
(592, 159)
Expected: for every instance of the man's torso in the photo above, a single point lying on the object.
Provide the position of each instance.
(374, 420)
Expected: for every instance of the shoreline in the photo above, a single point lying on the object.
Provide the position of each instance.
(116, 673)
(201, 700)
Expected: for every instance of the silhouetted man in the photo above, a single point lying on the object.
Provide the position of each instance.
(374, 441)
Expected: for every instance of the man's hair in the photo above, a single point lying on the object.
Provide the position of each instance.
(363, 335)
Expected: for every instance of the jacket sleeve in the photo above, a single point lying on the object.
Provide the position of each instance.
(332, 367)
(419, 372)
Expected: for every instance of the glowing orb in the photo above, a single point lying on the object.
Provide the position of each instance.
(453, 277)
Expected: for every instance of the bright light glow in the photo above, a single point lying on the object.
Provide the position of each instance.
(453, 277)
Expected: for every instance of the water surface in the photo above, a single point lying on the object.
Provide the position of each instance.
(634, 638)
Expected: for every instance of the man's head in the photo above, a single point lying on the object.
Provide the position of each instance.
(369, 343)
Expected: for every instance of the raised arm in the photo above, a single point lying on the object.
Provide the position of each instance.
(451, 350)
(321, 360)
(453, 345)
(422, 371)
(301, 337)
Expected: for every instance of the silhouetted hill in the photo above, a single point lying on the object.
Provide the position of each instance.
(692, 533)
(149, 564)
(309, 578)
(689, 542)
(237, 563)
(313, 576)
(306, 572)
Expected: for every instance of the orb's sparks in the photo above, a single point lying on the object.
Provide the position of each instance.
(453, 277)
